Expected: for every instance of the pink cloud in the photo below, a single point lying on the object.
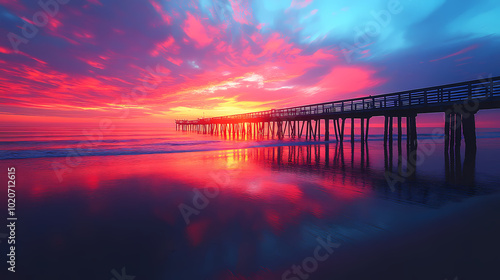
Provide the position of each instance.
(344, 81)
(457, 53)
(197, 31)
(166, 46)
(165, 16)
(241, 11)
(176, 61)
(92, 63)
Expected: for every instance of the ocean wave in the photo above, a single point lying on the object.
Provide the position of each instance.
(114, 147)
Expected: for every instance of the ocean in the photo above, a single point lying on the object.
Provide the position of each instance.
(164, 204)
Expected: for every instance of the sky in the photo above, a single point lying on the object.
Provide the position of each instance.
(153, 61)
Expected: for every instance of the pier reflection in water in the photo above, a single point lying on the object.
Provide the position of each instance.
(399, 177)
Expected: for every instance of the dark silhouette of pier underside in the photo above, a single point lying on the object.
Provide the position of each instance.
(459, 102)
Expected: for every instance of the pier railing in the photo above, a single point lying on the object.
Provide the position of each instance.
(431, 96)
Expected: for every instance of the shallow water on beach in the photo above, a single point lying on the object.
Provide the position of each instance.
(175, 205)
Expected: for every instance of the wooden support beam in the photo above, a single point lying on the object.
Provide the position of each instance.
(386, 129)
(400, 135)
(283, 130)
(284, 125)
(313, 130)
(279, 126)
(318, 129)
(268, 129)
(391, 127)
(352, 130)
(469, 128)
(294, 131)
(327, 129)
(277, 131)
(274, 129)
(458, 130)
(310, 130)
(342, 131)
(414, 129)
(362, 132)
(367, 129)
(338, 132)
(452, 131)
(408, 131)
(335, 127)
(307, 129)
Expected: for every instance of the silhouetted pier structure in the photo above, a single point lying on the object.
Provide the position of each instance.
(459, 102)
